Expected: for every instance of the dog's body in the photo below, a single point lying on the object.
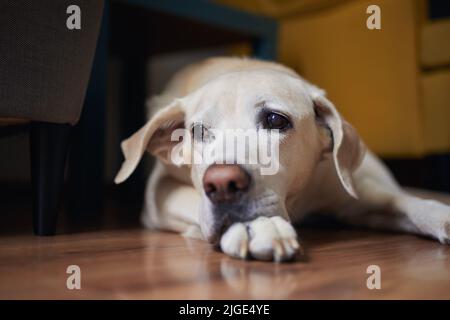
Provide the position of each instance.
(323, 164)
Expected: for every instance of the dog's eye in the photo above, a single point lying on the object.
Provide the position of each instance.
(199, 132)
(275, 120)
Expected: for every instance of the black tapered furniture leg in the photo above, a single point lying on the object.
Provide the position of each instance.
(48, 151)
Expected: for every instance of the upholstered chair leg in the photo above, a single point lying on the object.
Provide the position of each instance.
(48, 150)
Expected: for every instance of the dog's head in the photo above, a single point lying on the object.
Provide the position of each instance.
(234, 188)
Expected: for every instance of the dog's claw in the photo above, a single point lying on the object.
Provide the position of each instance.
(243, 251)
(278, 250)
(294, 243)
(297, 246)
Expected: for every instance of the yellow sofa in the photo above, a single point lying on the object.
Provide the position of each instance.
(392, 83)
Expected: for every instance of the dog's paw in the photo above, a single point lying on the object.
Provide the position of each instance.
(438, 225)
(431, 218)
(263, 239)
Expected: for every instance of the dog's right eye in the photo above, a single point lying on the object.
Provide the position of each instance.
(274, 120)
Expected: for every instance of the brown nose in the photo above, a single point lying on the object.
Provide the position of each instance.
(225, 182)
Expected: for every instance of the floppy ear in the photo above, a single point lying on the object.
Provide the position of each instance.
(153, 137)
(346, 146)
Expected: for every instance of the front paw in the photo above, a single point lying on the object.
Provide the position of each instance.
(263, 239)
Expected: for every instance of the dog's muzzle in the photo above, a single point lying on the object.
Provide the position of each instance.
(226, 186)
(225, 183)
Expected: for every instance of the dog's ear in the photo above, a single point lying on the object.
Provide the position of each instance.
(346, 146)
(154, 136)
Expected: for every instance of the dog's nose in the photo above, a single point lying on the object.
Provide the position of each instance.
(225, 182)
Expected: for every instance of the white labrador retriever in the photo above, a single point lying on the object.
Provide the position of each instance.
(323, 165)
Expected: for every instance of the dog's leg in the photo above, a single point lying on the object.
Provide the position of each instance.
(171, 205)
(263, 238)
(384, 204)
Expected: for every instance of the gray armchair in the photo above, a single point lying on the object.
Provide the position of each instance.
(44, 73)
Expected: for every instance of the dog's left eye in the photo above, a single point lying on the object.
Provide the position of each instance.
(273, 120)
(198, 132)
(201, 133)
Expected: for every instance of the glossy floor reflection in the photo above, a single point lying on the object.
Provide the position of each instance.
(139, 264)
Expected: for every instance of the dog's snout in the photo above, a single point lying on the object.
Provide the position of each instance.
(225, 182)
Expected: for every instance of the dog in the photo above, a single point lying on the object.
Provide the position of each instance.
(323, 164)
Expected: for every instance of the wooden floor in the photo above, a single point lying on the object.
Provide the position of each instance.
(123, 261)
(139, 264)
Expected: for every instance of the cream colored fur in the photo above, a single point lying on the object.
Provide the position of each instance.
(318, 172)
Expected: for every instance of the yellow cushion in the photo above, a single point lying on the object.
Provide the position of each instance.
(436, 111)
(435, 45)
(371, 75)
